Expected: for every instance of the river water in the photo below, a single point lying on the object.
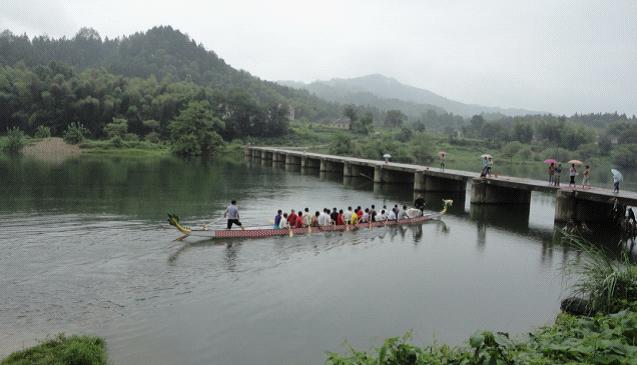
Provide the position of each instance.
(84, 248)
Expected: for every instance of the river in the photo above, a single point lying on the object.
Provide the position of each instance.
(85, 248)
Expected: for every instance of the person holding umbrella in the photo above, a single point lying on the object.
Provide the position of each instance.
(617, 178)
(386, 157)
(573, 172)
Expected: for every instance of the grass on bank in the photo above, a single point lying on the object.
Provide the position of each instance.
(62, 350)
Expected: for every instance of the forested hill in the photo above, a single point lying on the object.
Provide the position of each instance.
(360, 90)
(163, 52)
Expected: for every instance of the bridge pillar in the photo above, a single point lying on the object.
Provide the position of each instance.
(292, 160)
(309, 163)
(266, 155)
(568, 206)
(278, 157)
(247, 152)
(328, 166)
(483, 192)
(423, 182)
(350, 169)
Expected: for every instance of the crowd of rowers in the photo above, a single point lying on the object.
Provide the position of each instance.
(304, 218)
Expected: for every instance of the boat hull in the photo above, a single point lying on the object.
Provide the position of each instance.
(259, 233)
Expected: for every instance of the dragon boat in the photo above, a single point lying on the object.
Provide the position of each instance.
(173, 220)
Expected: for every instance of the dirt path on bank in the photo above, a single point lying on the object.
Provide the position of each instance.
(53, 148)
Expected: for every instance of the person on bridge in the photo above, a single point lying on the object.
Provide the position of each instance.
(558, 174)
(585, 176)
(442, 160)
(485, 164)
(551, 172)
(572, 172)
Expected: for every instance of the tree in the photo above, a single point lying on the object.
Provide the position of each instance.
(117, 128)
(522, 132)
(364, 125)
(350, 112)
(625, 155)
(341, 145)
(394, 118)
(194, 131)
(511, 149)
(404, 135)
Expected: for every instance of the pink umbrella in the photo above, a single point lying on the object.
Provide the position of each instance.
(575, 162)
(550, 161)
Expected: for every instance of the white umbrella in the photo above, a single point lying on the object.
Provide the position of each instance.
(387, 155)
(617, 175)
(486, 155)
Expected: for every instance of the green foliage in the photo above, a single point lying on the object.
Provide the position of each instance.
(75, 133)
(363, 125)
(153, 137)
(15, 140)
(194, 131)
(422, 149)
(394, 118)
(608, 284)
(511, 149)
(625, 155)
(342, 146)
(586, 151)
(62, 350)
(117, 142)
(117, 128)
(404, 135)
(525, 153)
(42, 132)
(607, 339)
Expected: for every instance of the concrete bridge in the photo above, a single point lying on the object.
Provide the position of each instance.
(591, 205)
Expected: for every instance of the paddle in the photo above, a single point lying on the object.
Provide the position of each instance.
(205, 226)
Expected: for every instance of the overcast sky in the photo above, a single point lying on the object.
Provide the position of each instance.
(551, 55)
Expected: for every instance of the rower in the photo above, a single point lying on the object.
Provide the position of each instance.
(232, 213)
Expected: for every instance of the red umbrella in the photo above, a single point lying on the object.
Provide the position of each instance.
(550, 161)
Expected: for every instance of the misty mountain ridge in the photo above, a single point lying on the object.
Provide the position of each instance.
(378, 90)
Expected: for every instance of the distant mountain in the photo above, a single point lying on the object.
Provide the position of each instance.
(162, 52)
(383, 91)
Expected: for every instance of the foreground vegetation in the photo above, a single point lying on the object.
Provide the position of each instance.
(607, 286)
(62, 350)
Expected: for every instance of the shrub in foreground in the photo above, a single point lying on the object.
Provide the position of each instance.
(605, 339)
(75, 133)
(62, 350)
(15, 140)
(42, 132)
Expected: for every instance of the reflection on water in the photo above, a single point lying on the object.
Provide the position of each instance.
(84, 249)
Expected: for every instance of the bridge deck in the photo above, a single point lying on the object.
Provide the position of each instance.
(594, 193)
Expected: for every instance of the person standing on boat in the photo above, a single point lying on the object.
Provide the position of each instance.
(232, 214)
(372, 214)
(277, 219)
(419, 203)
